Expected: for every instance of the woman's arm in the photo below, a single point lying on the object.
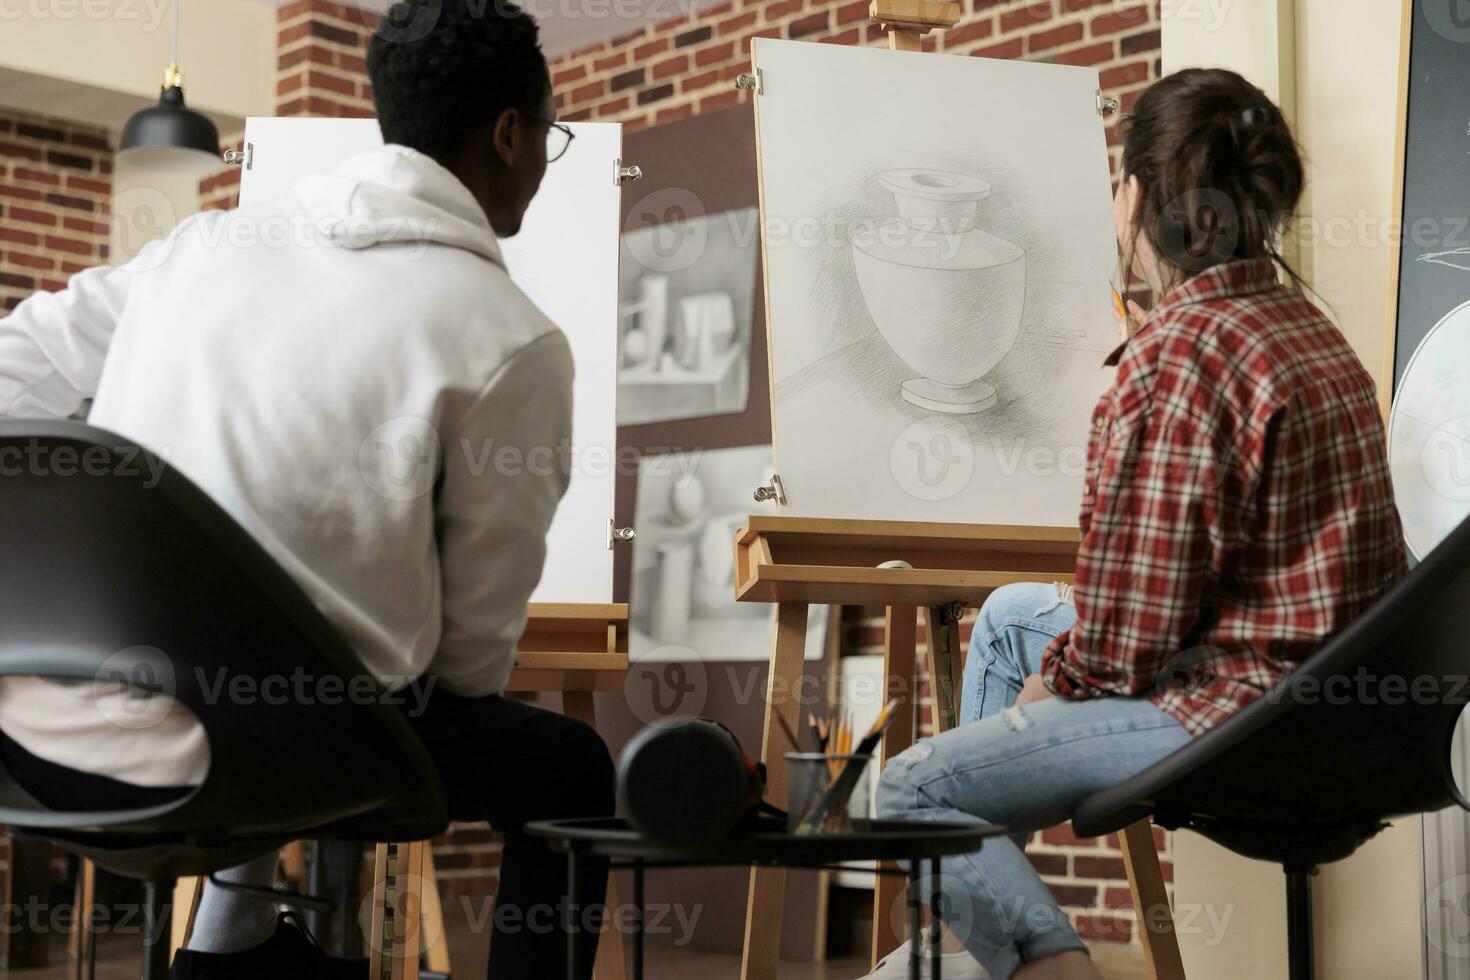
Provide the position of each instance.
(1159, 533)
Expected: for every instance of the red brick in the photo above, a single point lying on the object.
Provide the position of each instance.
(31, 261)
(783, 8)
(1092, 54)
(808, 25)
(714, 54)
(1054, 38)
(585, 93)
(1139, 43)
(615, 60)
(83, 225)
(737, 24)
(87, 186)
(1121, 20)
(1013, 48)
(1028, 16)
(575, 73)
(614, 107)
(351, 62)
(20, 193)
(1062, 835)
(16, 150)
(1117, 898)
(30, 216)
(674, 113)
(691, 83)
(53, 285)
(851, 36)
(645, 51)
(72, 268)
(1124, 75)
(37, 177)
(975, 30)
(90, 142)
(56, 243)
(19, 237)
(851, 13)
(1054, 865)
(1099, 867)
(290, 83)
(331, 83)
(670, 66)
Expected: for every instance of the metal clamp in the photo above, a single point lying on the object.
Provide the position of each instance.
(774, 492)
(1106, 105)
(616, 535)
(752, 82)
(625, 175)
(240, 158)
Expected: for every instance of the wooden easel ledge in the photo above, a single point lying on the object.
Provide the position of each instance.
(907, 21)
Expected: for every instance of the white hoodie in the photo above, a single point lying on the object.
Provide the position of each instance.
(334, 369)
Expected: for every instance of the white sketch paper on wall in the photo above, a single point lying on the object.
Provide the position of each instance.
(683, 603)
(938, 282)
(686, 304)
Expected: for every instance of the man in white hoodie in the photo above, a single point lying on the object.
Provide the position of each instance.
(329, 367)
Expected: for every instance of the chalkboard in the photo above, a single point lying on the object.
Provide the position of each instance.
(1436, 217)
(1429, 426)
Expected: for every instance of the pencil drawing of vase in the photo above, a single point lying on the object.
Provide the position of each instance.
(945, 295)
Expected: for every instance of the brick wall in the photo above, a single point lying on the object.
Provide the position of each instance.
(55, 182)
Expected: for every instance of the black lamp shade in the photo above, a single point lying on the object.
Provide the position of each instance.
(171, 137)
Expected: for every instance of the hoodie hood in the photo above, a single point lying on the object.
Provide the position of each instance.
(395, 195)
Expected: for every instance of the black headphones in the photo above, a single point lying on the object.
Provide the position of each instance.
(688, 781)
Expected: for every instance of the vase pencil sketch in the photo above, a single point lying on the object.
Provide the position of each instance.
(946, 295)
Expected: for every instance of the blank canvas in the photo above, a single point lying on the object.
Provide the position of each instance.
(930, 362)
(566, 260)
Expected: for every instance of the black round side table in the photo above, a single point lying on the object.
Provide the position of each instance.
(769, 843)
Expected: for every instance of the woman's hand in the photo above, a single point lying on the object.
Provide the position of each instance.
(1033, 690)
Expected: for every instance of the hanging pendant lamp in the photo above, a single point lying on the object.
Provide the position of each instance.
(170, 137)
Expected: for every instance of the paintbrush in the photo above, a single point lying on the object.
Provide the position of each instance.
(786, 730)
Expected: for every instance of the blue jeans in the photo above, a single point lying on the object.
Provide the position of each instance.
(1025, 767)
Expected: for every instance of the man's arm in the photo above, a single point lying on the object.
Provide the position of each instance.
(53, 345)
(1159, 529)
(492, 525)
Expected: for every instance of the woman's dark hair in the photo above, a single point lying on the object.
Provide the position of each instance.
(442, 69)
(1218, 171)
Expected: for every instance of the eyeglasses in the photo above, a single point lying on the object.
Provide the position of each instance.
(558, 137)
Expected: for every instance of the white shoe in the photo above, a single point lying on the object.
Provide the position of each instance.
(953, 966)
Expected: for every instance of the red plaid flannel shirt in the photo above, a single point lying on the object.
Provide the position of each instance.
(1236, 510)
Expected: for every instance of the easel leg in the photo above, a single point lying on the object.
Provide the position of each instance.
(436, 947)
(902, 625)
(79, 944)
(765, 904)
(187, 893)
(1151, 902)
(943, 650)
(611, 960)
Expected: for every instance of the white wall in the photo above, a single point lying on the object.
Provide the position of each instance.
(1334, 65)
(226, 47)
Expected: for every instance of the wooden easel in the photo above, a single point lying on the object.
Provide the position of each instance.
(795, 562)
(576, 649)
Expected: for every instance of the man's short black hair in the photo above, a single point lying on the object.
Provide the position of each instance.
(442, 69)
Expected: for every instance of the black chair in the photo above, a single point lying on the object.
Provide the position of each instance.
(114, 566)
(1358, 734)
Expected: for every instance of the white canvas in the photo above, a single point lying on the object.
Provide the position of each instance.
(683, 604)
(566, 259)
(938, 362)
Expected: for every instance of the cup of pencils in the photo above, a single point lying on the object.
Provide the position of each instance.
(821, 784)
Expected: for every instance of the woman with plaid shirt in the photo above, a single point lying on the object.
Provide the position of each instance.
(1236, 512)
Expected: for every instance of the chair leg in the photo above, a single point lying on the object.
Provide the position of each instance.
(157, 929)
(1299, 945)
